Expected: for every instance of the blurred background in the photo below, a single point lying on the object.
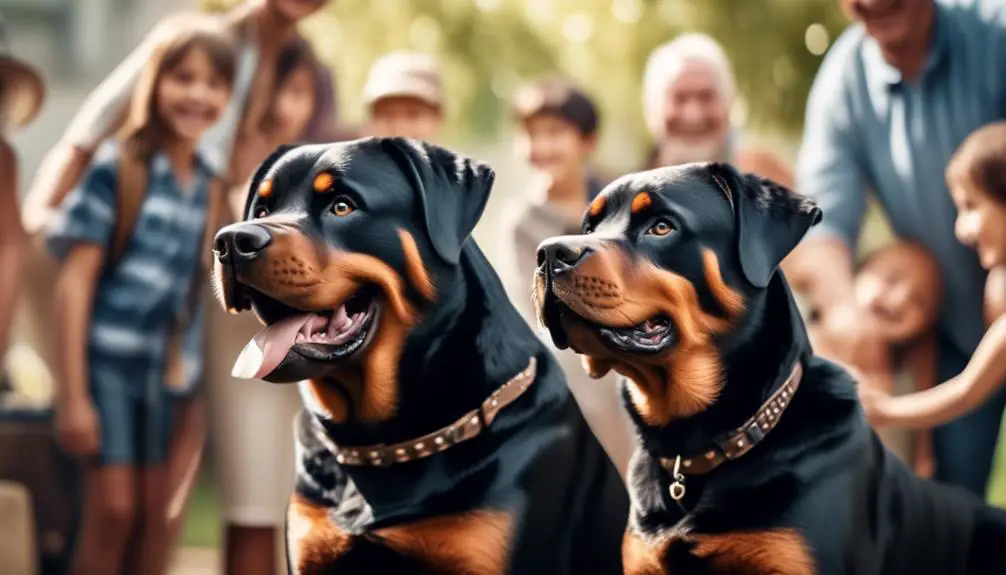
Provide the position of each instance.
(487, 48)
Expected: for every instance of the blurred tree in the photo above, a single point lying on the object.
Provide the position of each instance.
(488, 47)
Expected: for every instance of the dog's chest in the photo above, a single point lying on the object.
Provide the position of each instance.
(777, 551)
(472, 543)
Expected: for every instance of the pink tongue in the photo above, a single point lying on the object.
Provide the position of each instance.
(267, 349)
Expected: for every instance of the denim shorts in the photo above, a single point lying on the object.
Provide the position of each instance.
(134, 420)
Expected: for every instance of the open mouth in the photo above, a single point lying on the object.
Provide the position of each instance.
(192, 112)
(652, 336)
(321, 336)
(647, 338)
(337, 334)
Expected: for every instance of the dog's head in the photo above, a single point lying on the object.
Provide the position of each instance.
(341, 253)
(661, 283)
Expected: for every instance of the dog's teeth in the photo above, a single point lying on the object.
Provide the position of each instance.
(339, 315)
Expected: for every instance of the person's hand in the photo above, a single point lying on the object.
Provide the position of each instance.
(77, 427)
(875, 403)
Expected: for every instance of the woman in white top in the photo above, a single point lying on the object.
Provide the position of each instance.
(253, 435)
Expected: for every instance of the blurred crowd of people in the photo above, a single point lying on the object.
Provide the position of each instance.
(108, 259)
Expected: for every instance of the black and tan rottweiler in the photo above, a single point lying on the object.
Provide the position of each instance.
(438, 435)
(755, 454)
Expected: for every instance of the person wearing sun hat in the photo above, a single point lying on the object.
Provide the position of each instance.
(404, 95)
(22, 92)
(22, 89)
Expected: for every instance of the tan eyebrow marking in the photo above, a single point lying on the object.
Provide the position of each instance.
(265, 189)
(596, 207)
(641, 203)
(322, 182)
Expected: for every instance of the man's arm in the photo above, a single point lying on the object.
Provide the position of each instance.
(829, 170)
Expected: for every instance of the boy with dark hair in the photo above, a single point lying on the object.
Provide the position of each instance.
(557, 134)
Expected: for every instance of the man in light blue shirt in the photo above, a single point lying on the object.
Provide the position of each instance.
(895, 96)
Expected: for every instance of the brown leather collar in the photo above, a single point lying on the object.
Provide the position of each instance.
(745, 437)
(468, 426)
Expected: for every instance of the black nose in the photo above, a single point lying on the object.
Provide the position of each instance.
(558, 256)
(241, 242)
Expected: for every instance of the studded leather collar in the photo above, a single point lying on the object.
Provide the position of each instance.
(468, 426)
(745, 437)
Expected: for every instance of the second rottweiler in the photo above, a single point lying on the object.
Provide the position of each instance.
(756, 458)
(438, 434)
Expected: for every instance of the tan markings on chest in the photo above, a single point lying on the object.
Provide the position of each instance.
(641, 556)
(775, 552)
(315, 541)
(472, 543)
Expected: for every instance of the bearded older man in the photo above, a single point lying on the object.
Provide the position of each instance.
(688, 93)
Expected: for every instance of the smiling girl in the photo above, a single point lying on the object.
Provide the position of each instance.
(976, 177)
(120, 305)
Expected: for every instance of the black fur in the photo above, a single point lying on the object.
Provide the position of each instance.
(822, 471)
(538, 460)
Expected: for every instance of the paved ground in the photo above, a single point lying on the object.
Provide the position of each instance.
(196, 561)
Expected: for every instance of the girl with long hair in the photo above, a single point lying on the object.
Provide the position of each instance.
(131, 239)
(263, 29)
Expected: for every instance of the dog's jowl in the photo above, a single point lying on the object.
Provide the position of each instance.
(438, 435)
(755, 457)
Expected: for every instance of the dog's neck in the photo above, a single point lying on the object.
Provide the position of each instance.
(758, 358)
(463, 351)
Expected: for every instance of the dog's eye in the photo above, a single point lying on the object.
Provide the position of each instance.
(661, 228)
(343, 207)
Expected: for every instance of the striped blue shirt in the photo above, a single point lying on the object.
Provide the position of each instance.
(137, 301)
(868, 129)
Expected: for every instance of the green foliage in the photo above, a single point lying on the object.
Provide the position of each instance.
(489, 46)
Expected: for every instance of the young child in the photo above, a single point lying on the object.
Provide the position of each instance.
(405, 96)
(898, 288)
(976, 176)
(292, 111)
(252, 433)
(120, 307)
(557, 133)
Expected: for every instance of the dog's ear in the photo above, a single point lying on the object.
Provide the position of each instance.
(260, 173)
(452, 189)
(770, 219)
